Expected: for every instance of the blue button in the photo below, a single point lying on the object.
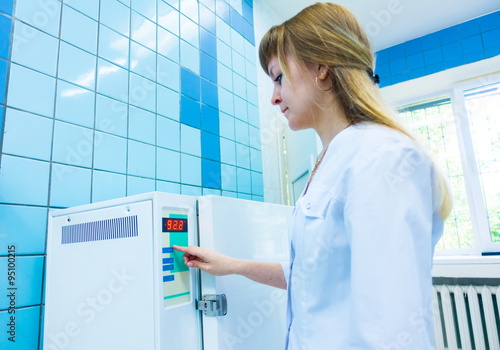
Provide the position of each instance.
(168, 260)
(168, 250)
(168, 267)
(168, 278)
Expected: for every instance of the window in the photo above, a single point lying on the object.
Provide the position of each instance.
(483, 110)
(462, 131)
(434, 125)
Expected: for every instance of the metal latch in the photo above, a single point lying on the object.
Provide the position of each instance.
(213, 305)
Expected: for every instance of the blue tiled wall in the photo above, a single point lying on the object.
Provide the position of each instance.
(101, 99)
(5, 36)
(465, 43)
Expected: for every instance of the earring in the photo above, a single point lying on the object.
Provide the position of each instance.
(331, 84)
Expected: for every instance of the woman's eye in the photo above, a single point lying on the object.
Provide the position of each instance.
(278, 79)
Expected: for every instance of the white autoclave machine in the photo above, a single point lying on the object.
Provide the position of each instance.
(113, 280)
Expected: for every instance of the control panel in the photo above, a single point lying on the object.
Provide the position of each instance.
(175, 272)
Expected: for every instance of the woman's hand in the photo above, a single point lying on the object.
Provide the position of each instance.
(217, 264)
(207, 260)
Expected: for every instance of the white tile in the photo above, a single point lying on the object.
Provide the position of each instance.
(224, 77)
(141, 159)
(223, 30)
(168, 187)
(228, 177)
(242, 156)
(73, 145)
(227, 151)
(111, 116)
(31, 91)
(107, 186)
(190, 9)
(24, 181)
(147, 8)
(190, 32)
(226, 125)
(77, 66)
(113, 47)
(190, 170)
(143, 31)
(142, 125)
(142, 61)
(168, 133)
(27, 135)
(112, 81)
(168, 73)
(87, 7)
(168, 45)
(168, 17)
(240, 109)
(226, 103)
(73, 180)
(224, 53)
(239, 85)
(139, 185)
(241, 131)
(168, 165)
(251, 72)
(252, 93)
(190, 140)
(116, 16)
(42, 15)
(237, 42)
(79, 30)
(110, 153)
(142, 92)
(168, 103)
(191, 191)
(238, 63)
(34, 49)
(190, 57)
(75, 104)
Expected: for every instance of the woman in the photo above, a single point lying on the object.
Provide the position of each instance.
(365, 227)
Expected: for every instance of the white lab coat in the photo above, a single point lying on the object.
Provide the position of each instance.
(362, 241)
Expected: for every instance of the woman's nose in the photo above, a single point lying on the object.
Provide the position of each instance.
(276, 98)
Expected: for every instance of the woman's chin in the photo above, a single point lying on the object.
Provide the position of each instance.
(294, 127)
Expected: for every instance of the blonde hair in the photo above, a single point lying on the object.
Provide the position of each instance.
(330, 35)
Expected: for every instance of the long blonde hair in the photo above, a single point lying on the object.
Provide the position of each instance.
(330, 35)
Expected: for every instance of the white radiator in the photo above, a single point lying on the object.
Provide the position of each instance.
(466, 317)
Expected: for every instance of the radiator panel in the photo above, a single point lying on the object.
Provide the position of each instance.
(462, 311)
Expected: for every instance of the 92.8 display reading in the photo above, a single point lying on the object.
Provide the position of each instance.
(174, 225)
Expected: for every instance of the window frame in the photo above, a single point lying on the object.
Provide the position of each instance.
(477, 208)
(483, 244)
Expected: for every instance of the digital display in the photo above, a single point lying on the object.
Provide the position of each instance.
(174, 225)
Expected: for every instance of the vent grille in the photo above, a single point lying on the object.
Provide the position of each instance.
(124, 227)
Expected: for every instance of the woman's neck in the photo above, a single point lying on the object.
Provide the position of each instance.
(330, 123)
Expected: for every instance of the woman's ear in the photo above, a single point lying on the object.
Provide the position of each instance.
(322, 71)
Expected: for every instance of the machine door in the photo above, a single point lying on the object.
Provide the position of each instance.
(250, 230)
(178, 326)
(99, 279)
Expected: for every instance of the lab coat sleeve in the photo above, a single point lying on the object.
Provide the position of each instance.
(388, 218)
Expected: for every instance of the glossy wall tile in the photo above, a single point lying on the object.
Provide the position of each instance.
(464, 43)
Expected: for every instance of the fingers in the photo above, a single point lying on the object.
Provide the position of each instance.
(192, 256)
(180, 248)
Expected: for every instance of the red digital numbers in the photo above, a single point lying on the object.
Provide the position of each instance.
(175, 225)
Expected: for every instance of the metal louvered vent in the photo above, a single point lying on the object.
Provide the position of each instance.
(123, 227)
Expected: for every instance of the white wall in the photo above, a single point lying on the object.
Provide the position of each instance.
(301, 146)
(270, 126)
